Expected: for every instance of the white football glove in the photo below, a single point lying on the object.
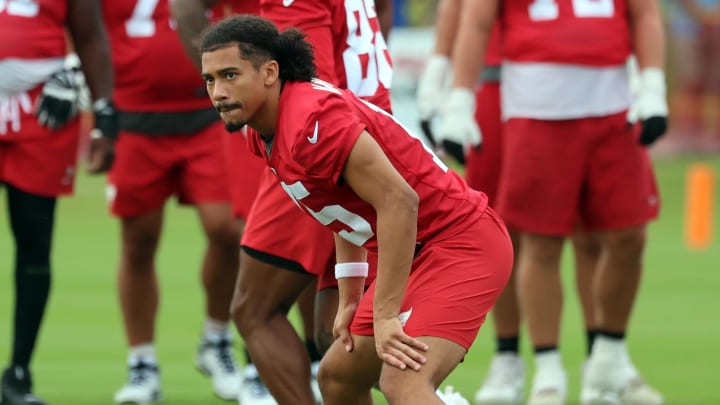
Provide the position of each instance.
(458, 130)
(649, 105)
(432, 89)
(59, 101)
(431, 86)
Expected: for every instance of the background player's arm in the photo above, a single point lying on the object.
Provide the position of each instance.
(384, 10)
(647, 33)
(92, 47)
(191, 21)
(471, 39)
(705, 15)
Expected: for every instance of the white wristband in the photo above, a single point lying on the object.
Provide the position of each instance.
(351, 269)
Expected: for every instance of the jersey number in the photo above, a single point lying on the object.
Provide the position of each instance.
(367, 59)
(20, 8)
(543, 10)
(360, 229)
(141, 23)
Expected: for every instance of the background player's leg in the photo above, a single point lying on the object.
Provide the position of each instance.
(541, 298)
(219, 272)
(31, 218)
(139, 298)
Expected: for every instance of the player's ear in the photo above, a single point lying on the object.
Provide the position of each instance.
(271, 72)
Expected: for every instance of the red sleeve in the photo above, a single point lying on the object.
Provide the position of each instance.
(326, 140)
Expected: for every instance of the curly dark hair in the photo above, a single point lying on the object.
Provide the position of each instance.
(259, 41)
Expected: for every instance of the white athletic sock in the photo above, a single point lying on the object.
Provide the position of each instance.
(144, 352)
(609, 349)
(549, 372)
(214, 329)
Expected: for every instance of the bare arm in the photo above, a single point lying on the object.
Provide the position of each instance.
(371, 175)
(191, 21)
(91, 44)
(384, 10)
(647, 34)
(703, 15)
(473, 34)
(446, 25)
(350, 288)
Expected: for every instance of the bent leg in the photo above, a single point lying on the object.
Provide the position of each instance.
(263, 296)
(347, 378)
(409, 387)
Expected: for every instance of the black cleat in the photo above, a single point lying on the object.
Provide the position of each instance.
(17, 387)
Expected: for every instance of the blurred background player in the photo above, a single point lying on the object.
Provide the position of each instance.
(170, 144)
(38, 154)
(605, 188)
(266, 289)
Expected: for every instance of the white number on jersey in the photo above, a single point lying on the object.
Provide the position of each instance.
(11, 110)
(20, 8)
(543, 10)
(366, 59)
(141, 23)
(361, 231)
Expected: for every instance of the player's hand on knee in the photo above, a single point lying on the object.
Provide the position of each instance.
(458, 130)
(341, 327)
(395, 348)
(59, 101)
(649, 104)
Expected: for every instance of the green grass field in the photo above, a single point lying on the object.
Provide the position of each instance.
(81, 355)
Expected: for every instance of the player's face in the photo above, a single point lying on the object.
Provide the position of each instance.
(235, 87)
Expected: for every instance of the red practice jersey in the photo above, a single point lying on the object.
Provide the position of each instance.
(362, 59)
(32, 29)
(318, 126)
(578, 32)
(152, 71)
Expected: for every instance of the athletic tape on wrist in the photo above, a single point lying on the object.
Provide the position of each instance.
(351, 269)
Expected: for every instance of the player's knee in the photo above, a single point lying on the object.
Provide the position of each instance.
(329, 377)
(323, 337)
(248, 313)
(225, 235)
(628, 242)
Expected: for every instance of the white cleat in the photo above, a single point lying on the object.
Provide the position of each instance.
(143, 386)
(254, 391)
(215, 359)
(637, 392)
(549, 388)
(615, 383)
(450, 397)
(504, 383)
(314, 367)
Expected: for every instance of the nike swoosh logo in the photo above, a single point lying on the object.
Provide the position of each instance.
(313, 139)
(288, 3)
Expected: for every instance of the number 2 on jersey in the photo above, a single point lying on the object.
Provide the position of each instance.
(544, 10)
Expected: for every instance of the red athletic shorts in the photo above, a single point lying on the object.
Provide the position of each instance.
(279, 233)
(245, 170)
(482, 168)
(149, 169)
(453, 284)
(588, 172)
(33, 158)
